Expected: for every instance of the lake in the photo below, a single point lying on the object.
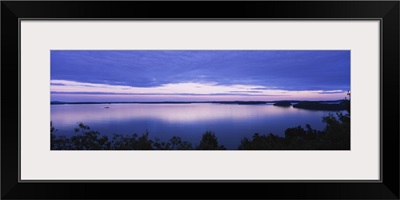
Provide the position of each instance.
(230, 122)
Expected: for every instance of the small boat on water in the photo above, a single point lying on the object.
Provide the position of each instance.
(106, 107)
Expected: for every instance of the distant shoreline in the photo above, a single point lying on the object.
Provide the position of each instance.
(190, 102)
(337, 105)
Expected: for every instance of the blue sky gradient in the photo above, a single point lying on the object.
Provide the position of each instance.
(190, 75)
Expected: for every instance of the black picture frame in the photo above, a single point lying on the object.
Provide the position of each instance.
(386, 11)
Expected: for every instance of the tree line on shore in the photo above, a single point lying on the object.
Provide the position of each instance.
(335, 136)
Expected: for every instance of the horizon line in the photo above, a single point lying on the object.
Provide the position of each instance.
(194, 101)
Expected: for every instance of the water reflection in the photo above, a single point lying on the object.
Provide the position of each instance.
(173, 113)
(229, 121)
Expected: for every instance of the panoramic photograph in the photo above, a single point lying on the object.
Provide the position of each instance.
(200, 100)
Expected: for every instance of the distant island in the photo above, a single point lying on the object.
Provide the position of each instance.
(283, 104)
(309, 105)
(320, 106)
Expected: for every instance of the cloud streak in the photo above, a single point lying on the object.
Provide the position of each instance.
(191, 89)
(285, 69)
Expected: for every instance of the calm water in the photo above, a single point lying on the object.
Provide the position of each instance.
(189, 121)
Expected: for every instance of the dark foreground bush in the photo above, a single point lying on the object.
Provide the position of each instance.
(87, 139)
(209, 142)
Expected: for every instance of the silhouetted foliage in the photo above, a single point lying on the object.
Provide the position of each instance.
(132, 142)
(261, 142)
(59, 142)
(87, 139)
(338, 131)
(178, 144)
(209, 142)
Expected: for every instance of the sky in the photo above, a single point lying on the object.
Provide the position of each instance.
(198, 75)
